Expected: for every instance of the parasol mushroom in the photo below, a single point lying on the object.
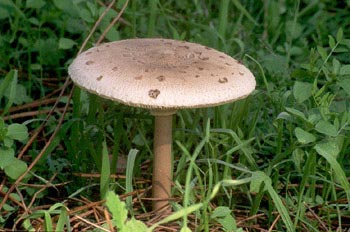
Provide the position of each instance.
(162, 75)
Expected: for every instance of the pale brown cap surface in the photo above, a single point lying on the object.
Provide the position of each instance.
(161, 74)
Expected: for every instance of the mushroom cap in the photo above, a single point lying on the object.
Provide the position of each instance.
(161, 74)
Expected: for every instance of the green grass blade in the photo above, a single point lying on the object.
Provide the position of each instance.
(152, 4)
(63, 220)
(192, 165)
(129, 174)
(223, 18)
(240, 7)
(326, 150)
(184, 212)
(280, 207)
(259, 178)
(48, 221)
(309, 168)
(76, 128)
(247, 153)
(105, 172)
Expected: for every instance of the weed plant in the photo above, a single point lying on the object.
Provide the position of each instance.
(278, 160)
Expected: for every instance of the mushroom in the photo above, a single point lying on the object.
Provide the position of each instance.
(162, 75)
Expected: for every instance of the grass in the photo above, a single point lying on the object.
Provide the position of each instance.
(276, 161)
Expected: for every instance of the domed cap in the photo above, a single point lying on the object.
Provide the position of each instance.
(161, 74)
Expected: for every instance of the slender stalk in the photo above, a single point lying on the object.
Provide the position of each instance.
(162, 161)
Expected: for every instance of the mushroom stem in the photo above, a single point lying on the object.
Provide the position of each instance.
(162, 161)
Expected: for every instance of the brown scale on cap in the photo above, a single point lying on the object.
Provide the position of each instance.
(153, 93)
(138, 77)
(99, 78)
(161, 78)
(223, 80)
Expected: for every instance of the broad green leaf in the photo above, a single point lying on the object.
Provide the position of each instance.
(113, 34)
(336, 66)
(35, 4)
(9, 84)
(8, 7)
(303, 136)
(331, 41)
(35, 22)
(21, 95)
(339, 35)
(65, 43)
(284, 115)
(302, 91)
(185, 229)
(138, 140)
(5, 8)
(328, 149)
(86, 15)
(15, 169)
(228, 222)
(293, 29)
(8, 142)
(298, 157)
(322, 52)
(7, 156)
(8, 207)
(17, 132)
(345, 70)
(221, 211)
(326, 128)
(117, 208)
(258, 178)
(62, 5)
(296, 113)
(274, 63)
(345, 84)
(134, 225)
(296, 51)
